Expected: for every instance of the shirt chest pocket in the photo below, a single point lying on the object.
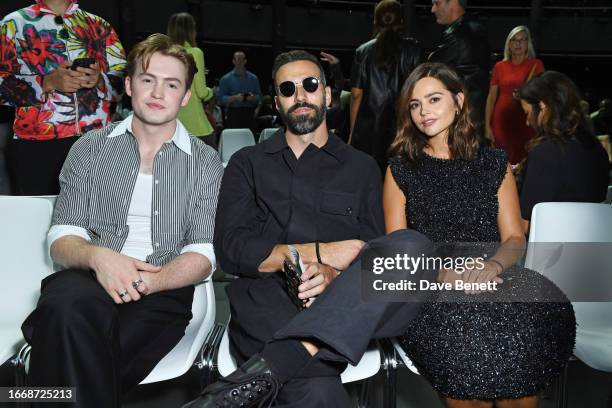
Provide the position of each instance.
(340, 204)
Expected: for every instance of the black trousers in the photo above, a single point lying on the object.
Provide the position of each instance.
(81, 338)
(34, 165)
(343, 322)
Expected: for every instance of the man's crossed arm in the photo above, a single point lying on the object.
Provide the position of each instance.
(335, 257)
(118, 273)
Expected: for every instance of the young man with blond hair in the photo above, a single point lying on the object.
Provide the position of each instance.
(133, 228)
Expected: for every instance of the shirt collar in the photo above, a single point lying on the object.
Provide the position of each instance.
(453, 26)
(71, 9)
(334, 146)
(181, 138)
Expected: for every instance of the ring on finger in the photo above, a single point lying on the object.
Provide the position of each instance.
(123, 294)
(136, 283)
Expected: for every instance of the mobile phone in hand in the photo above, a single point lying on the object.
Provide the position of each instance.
(292, 271)
(82, 62)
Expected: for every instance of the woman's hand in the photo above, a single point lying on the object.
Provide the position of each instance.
(476, 276)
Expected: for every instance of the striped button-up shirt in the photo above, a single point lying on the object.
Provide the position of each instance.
(98, 179)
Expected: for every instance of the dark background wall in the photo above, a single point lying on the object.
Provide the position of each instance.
(575, 36)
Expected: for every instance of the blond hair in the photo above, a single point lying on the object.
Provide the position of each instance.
(519, 29)
(161, 43)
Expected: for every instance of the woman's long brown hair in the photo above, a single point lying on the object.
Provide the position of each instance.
(410, 141)
(563, 117)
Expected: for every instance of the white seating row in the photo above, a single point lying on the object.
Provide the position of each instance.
(232, 140)
(25, 260)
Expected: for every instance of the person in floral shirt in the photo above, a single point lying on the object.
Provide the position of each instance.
(54, 103)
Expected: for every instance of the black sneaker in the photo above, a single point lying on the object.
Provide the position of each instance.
(251, 385)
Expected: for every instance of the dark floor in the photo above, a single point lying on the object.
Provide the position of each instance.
(587, 388)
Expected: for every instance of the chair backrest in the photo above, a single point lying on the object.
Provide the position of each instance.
(368, 366)
(266, 133)
(232, 140)
(569, 243)
(24, 262)
(182, 356)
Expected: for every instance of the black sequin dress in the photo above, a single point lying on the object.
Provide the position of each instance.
(492, 345)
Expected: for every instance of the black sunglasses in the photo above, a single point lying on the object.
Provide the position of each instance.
(288, 88)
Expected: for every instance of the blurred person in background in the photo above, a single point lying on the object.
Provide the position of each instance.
(182, 31)
(602, 118)
(6, 121)
(239, 92)
(57, 93)
(505, 120)
(379, 69)
(465, 48)
(565, 161)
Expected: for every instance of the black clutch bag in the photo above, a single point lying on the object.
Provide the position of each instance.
(292, 272)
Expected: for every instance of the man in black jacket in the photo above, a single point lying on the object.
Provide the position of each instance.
(465, 48)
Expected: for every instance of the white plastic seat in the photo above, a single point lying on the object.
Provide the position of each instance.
(232, 140)
(183, 355)
(367, 367)
(266, 133)
(588, 223)
(25, 261)
(25, 222)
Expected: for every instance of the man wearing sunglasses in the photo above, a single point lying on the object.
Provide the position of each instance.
(302, 187)
(60, 68)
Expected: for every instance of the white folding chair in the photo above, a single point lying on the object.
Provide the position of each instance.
(232, 140)
(367, 367)
(266, 133)
(25, 261)
(552, 225)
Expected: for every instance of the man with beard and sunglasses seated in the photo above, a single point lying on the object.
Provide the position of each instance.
(302, 187)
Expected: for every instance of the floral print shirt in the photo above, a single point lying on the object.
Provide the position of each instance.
(34, 41)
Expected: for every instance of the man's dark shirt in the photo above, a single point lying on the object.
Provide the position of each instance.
(465, 47)
(269, 197)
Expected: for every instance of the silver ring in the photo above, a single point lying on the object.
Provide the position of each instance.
(122, 294)
(137, 283)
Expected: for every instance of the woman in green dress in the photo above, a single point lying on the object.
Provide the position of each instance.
(182, 30)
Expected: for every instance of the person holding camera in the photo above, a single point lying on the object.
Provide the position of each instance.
(239, 93)
(61, 85)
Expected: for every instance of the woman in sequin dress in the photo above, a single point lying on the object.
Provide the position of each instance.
(476, 349)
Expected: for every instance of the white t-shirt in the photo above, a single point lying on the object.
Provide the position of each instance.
(138, 243)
